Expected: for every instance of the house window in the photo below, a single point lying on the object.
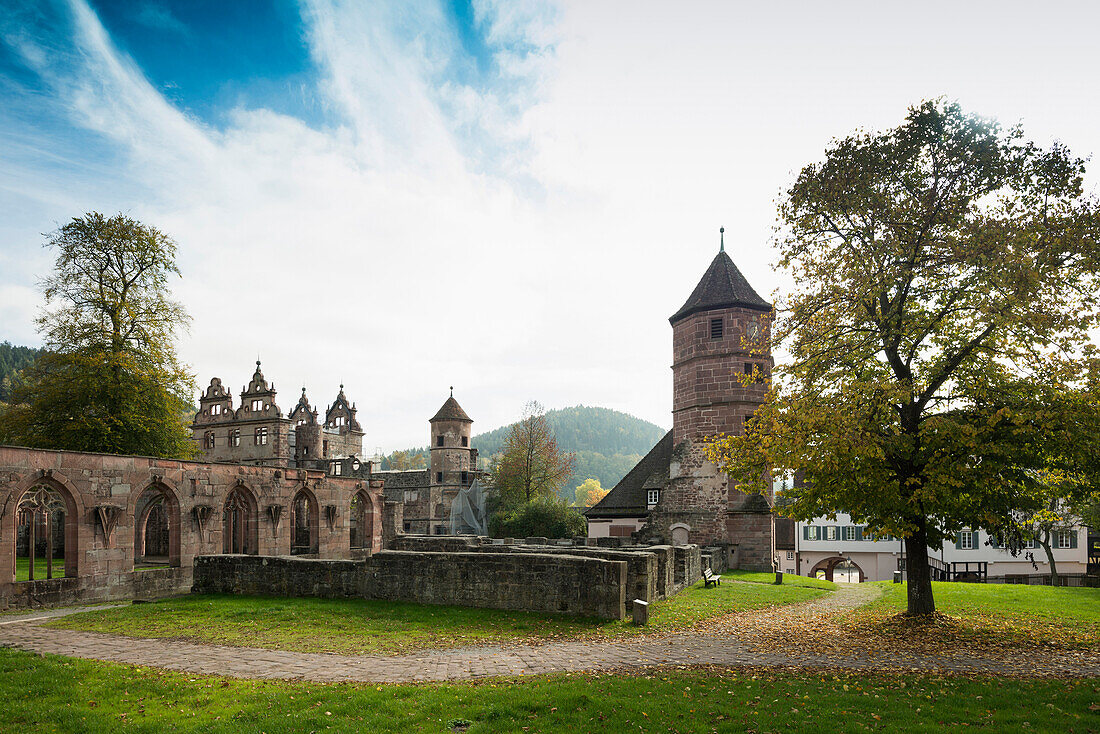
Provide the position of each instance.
(790, 555)
(1065, 539)
(811, 532)
(257, 405)
(465, 441)
(411, 495)
(849, 532)
(439, 477)
(830, 532)
(235, 437)
(438, 440)
(653, 496)
(208, 440)
(216, 409)
(967, 540)
(260, 437)
(716, 328)
(337, 468)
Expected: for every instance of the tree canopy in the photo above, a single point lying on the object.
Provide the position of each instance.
(945, 279)
(530, 465)
(110, 380)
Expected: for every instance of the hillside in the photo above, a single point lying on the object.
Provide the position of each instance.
(12, 360)
(607, 443)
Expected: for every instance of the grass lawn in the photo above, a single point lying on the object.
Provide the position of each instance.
(1053, 615)
(54, 694)
(756, 577)
(354, 626)
(23, 568)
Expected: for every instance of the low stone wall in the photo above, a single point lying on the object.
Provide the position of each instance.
(540, 582)
(647, 567)
(66, 591)
(689, 565)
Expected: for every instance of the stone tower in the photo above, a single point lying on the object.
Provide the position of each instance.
(721, 360)
(453, 461)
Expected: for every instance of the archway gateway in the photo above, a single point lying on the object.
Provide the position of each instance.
(157, 527)
(239, 523)
(305, 522)
(361, 521)
(839, 565)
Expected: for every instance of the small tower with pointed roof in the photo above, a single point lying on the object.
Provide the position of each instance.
(453, 459)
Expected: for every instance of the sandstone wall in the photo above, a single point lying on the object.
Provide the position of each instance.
(561, 584)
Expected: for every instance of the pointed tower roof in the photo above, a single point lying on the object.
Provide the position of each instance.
(451, 411)
(722, 286)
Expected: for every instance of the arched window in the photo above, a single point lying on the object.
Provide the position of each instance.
(304, 523)
(157, 528)
(45, 534)
(362, 521)
(239, 523)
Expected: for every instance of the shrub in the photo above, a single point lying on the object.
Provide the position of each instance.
(546, 518)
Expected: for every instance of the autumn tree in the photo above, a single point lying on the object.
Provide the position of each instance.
(530, 464)
(944, 280)
(589, 492)
(110, 380)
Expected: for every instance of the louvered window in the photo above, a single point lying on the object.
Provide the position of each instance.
(716, 328)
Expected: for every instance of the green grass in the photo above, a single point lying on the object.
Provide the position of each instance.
(756, 577)
(54, 694)
(1053, 615)
(23, 568)
(355, 626)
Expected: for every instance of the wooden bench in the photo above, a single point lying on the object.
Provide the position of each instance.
(710, 579)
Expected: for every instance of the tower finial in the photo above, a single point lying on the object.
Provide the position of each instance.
(722, 235)
(452, 391)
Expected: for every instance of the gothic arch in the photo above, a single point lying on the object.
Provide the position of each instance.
(361, 520)
(22, 505)
(305, 522)
(156, 501)
(240, 522)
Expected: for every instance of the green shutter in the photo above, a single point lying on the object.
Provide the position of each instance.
(958, 541)
(805, 532)
(1073, 538)
(859, 532)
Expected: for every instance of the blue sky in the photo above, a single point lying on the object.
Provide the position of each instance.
(510, 196)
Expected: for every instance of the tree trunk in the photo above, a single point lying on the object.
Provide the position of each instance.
(918, 574)
(1045, 542)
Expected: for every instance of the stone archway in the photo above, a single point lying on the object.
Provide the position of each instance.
(157, 526)
(305, 523)
(361, 521)
(240, 525)
(44, 530)
(829, 566)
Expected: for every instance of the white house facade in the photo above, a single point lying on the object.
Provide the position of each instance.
(825, 545)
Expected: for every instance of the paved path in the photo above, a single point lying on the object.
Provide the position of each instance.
(735, 641)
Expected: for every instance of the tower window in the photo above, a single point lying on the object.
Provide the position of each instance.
(439, 440)
(439, 477)
(466, 480)
(716, 328)
(465, 441)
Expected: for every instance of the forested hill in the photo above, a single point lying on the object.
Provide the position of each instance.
(13, 359)
(582, 428)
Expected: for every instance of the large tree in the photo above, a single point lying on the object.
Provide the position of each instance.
(530, 465)
(110, 380)
(944, 280)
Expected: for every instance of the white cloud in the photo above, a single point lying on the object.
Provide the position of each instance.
(525, 235)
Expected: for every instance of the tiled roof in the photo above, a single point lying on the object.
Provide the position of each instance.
(722, 286)
(451, 411)
(628, 497)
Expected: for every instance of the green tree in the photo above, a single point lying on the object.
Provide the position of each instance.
(945, 277)
(546, 517)
(110, 380)
(530, 464)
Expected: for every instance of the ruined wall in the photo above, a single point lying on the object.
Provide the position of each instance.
(537, 582)
(102, 494)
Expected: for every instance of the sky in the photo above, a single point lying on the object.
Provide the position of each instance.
(506, 196)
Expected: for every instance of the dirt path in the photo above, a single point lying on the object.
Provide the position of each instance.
(744, 639)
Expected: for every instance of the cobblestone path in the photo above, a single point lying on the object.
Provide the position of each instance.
(734, 641)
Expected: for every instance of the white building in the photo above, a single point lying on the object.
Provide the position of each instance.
(825, 544)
